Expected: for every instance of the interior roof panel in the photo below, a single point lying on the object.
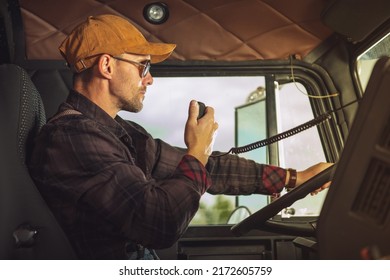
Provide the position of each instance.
(236, 29)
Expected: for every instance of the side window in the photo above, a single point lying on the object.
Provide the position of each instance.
(301, 150)
(367, 60)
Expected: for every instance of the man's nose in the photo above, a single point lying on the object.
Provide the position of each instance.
(148, 80)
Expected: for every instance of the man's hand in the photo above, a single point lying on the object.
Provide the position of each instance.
(305, 175)
(199, 133)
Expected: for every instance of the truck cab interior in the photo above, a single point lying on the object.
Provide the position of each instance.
(318, 66)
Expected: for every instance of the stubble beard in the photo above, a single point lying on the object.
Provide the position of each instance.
(134, 104)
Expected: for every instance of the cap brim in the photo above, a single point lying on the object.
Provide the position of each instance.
(157, 51)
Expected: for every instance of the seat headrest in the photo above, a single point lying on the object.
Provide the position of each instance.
(21, 110)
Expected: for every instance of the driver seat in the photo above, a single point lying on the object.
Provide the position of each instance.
(28, 229)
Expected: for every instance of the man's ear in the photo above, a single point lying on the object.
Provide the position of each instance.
(105, 66)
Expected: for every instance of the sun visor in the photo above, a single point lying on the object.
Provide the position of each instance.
(356, 19)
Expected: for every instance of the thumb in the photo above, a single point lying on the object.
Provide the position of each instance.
(193, 110)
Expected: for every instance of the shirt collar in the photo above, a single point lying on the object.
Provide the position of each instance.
(88, 108)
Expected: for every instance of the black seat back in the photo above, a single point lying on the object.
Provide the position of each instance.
(28, 229)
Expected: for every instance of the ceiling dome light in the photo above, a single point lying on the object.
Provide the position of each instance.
(156, 13)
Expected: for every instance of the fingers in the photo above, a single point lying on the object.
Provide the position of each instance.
(325, 186)
(216, 125)
(308, 173)
(193, 110)
(318, 168)
(312, 171)
(199, 134)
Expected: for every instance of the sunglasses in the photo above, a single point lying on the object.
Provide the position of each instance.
(143, 67)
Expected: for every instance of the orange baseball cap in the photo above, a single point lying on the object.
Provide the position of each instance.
(108, 34)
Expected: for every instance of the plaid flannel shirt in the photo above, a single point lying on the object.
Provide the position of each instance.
(109, 182)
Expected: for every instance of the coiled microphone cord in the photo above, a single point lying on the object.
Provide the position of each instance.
(316, 121)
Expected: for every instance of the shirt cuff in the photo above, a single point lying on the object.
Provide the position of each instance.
(193, 169)
(274, 178)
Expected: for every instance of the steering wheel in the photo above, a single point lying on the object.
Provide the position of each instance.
(260, 219)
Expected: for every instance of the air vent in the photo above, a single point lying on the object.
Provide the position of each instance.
(373, 199)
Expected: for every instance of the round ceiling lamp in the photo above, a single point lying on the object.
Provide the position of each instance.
(156, 13)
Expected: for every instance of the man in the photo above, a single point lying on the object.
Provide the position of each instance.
(115, 189)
